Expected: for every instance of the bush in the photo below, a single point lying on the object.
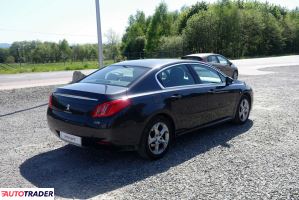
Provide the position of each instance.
(173, 46)
(10, 59)
(86, 66)
(199, 33)
(34, 69)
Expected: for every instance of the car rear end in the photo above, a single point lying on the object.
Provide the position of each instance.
(85, 118)
(92, 112)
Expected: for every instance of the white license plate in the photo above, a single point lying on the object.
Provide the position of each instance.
(71, 138)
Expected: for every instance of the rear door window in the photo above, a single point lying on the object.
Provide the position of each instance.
(178, 75)
(213, 59)
(222, 60)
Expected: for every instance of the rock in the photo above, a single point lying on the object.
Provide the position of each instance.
(77, 75)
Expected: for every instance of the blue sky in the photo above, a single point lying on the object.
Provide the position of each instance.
(53, 20)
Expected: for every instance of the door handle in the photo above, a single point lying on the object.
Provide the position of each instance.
(176, 96)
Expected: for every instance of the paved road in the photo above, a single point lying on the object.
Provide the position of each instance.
(253, 66)
(25, 80)
(246, 67)
(257, 160)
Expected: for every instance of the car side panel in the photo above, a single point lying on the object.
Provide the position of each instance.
(222, 101)
(220, 67)
(191, 109)
(230, 71)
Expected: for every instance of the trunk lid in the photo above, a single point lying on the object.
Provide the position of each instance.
(75, 102)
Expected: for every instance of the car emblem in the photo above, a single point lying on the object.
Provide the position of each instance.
(68, 107)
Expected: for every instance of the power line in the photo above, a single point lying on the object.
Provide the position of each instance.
(44, 33)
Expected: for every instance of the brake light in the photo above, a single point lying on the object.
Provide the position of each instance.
(50, 101)
(110, 108)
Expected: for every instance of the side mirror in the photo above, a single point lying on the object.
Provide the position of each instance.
(228, 80)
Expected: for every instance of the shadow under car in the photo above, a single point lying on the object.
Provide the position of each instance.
(84, 173)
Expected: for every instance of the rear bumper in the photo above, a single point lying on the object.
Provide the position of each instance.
(127, 134)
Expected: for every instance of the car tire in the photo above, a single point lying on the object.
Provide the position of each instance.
(156, 138)
(243, 111)
(235, 75)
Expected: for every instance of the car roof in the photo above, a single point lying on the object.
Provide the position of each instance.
(201, 55)
(151, 63)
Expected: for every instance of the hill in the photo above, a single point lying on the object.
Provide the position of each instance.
(4, 45)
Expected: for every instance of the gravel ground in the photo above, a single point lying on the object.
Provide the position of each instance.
(258, 160)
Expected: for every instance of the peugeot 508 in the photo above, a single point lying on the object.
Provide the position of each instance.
(144, 104)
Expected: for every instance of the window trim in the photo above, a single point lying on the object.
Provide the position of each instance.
(196, 84)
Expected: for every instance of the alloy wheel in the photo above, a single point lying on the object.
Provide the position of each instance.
(235, 75)
(244, 110)
(158, 138)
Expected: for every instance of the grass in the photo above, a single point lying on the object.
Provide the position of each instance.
(48, 67)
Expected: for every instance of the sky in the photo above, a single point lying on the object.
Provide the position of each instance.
(75, 20)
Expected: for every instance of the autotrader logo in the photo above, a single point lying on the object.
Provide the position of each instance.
(27, 193)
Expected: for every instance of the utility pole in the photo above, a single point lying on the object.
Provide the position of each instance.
(100, 45)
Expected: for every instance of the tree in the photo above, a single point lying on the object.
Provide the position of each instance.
(289, 28)
(14, 50)
(161, 25)
(233, 28)
(171, 46)
(133, 41)
(272, 35)
(200, 33)
(187, 13)
(252, 27)
(54, 52)
(112, 45)
(10, 59)
(65, 50)
(4, 53)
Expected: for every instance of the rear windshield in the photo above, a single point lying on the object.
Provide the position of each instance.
(117, 75)
(192, 58)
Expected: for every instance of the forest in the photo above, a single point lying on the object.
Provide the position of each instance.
(235, 29)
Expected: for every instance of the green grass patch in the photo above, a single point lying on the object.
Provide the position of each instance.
(48, 67)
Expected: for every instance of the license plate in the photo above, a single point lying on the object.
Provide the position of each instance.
(71, 138)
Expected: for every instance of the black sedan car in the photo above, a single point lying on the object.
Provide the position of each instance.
(144, 104)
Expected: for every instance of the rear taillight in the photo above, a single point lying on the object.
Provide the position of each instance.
(110, 108)
(50, 101)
